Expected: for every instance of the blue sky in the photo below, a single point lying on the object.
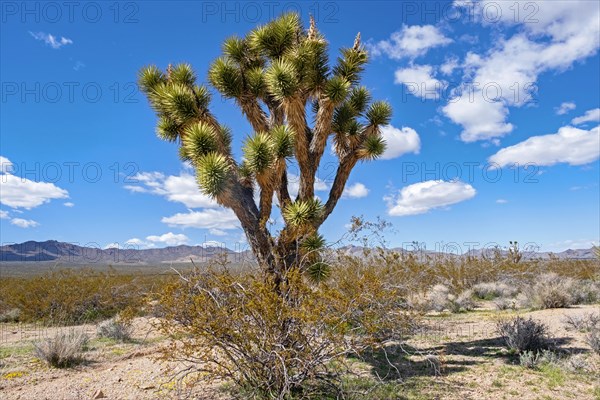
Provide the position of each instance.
(476, 88)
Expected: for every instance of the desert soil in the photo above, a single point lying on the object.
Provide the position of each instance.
(469, 362)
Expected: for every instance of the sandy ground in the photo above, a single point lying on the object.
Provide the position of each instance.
(472, 362)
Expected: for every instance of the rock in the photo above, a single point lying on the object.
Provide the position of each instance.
(147, 387)
(99, 395)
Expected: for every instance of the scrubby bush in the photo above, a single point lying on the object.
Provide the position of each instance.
(74, 296)
(438, 298)
(492, 290)
(235, 327)
(503, 303)
(63, 350)
(585, 292)
(593, 339)
(115, 329)
(11, 315)
(462, 302)
(522, 334)
(550, 291)
(582, 323)
(534, 359)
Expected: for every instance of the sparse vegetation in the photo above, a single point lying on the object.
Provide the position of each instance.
(550, 291)
(63, 350)
(523, 335)
(116, 329)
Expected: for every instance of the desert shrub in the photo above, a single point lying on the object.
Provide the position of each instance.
(534, 359)
(582, 323)
(116, 329)
(438, 297)
(522, 334)
(63, 350)
(462, 302)
(585, 292)
(492, 290)
(272, 345)
(11, 315)
(74, 296)
(593, 339)
(550, 291)
(503, 303)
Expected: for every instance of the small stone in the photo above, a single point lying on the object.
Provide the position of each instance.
(147, 387)
(99, 395)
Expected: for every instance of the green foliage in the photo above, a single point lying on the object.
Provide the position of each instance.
(199, 139)
(212, 173)
(379, 113)
(336, 89)
(226, 77)
(183, 74)
(300, 212)
(282, 80)
(259, 153)
(73, 296)
(283, 141)
(372, 148)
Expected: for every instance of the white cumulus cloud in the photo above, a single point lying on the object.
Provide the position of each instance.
(420, 82)
(410, 42)
(565, 107)
(177, 188)
(223, 219)
(421, 197)
(569, 145)
(399, 141)
(170, 239)
(589, 116)
(24, 193)
(24, 223)
(355, 191)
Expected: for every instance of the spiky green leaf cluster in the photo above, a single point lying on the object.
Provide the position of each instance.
(313, 243)
(300, 213)
(372, 148)
(259, 153)
(283, 141)
(212, 173)
(318, 271)
(379, 113)
(199, 140)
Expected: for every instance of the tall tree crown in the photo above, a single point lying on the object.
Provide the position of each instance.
(280, 76)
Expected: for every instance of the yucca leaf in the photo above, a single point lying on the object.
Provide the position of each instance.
(167, 129)
(212, 173)
(281, 79)
(372, 148)
(149, 77)
(256, 81)
(318, 272)
(336, 89)
(313, 243)
(179, 103)
(198, 140)
(379, 113)
(283, 141)
(236, 49)
(226, 77)
(351, 64)
(183, 74)
(259, 152)
(359, 99)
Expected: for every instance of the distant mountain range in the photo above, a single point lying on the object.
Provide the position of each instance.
(67, 253)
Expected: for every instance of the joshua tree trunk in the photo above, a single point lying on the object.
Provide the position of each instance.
(276, 75)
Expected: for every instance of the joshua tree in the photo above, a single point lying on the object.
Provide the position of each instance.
(280, 78)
